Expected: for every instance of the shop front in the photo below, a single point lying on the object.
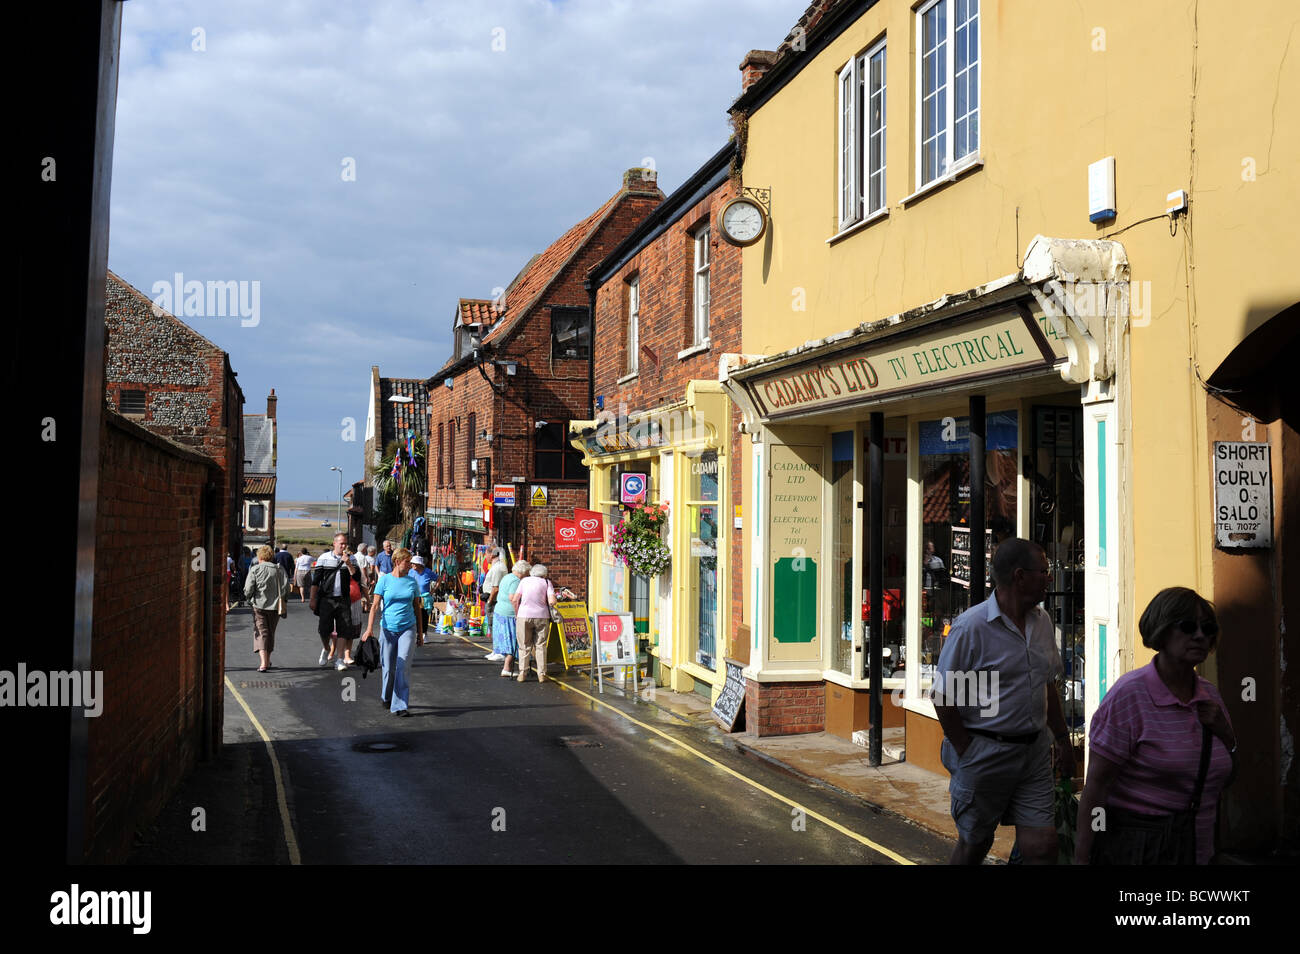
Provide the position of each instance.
(672, 456)
(975, 418)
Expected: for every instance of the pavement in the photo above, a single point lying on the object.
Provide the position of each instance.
(487, 770)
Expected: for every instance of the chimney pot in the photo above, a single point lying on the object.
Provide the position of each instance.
(755, 64)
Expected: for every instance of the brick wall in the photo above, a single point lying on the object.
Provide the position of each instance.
(784, 708)
(148, 631)
(192, 396)
(665, 273)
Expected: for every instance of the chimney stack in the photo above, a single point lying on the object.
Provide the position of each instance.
(270, 404)
(755, 64)
(640, 179)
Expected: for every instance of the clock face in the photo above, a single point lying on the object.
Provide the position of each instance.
(742, 222)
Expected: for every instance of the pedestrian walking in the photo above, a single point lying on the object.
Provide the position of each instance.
(994, 694)
(384, 561)
(1161, 747)
(424, 608)
(284, 560)
(497, 572)
(533, 600)
(505, 639)
(331, 601)
(302, 574)
(396, 596)
(265, 588)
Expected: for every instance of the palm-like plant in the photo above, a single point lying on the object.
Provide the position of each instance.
(405, 489)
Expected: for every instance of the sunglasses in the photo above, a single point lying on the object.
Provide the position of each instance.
(1189, 626)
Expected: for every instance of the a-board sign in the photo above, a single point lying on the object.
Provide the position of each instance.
(727, 709)
(1243, 494)
(615, 640)
(575, 632)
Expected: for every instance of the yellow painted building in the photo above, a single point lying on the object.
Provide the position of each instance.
(969, 215)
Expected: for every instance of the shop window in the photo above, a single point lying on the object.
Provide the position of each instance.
(946, 543)
(894, 571)
(703, 514)
(555, 458)
(948, 89)
(570, 333)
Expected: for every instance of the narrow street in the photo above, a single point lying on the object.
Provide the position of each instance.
(568, 778)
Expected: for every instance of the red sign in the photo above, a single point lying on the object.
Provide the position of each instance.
(566, 535)
(591, 525)
(610, 628)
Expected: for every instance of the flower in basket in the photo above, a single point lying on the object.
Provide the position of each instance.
(636, 539)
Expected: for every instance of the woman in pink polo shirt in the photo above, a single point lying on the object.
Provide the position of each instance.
(1161, 747)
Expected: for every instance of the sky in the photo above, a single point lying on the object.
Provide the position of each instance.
(359, 167)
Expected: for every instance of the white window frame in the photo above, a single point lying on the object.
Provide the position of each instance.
(854, 168)
(701, 296)
(633, 322)
(948, 162)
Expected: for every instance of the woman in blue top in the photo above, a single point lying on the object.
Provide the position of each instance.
(504, 640)
(397, 594)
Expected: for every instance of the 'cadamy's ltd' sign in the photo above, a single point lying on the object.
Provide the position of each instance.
(992, 344)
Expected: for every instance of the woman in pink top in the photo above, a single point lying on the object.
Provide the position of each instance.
(1159, 731)
(533, 601)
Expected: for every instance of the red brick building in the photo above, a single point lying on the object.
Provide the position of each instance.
(396, 406)
(667, 309)
(519, 372)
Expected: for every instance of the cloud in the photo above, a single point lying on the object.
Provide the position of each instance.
(469, 159)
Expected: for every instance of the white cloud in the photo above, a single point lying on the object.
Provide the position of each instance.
(227, 162)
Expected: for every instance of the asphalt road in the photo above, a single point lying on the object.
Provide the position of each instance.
(489, 771)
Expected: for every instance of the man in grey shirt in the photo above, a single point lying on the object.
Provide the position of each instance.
(994, 693)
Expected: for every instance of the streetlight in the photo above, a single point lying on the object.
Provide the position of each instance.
(338, 512)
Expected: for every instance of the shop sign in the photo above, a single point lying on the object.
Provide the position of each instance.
(575, 632)
(616, 640)
(618, 436)
(566, 534)
(539, 496)
(732, 698)
(503, 495)
(591, 525)
(632, 488)
(988, 345)
(1243, 495)
(795, 532)
(487, 511)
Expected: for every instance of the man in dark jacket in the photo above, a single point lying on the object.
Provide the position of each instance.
(331, 586)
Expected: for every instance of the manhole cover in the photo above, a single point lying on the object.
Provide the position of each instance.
(579, 742)
(265, 684)
(380, 747)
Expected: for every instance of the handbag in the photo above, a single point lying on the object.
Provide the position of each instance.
(1168, 839)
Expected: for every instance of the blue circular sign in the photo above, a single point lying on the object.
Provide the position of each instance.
(633, 485)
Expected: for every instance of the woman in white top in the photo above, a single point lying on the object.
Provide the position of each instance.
(302, 574)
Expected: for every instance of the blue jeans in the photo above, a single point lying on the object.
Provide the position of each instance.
(395, 660)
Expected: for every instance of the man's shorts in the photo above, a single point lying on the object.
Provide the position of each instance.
(335, 617)
(1000, 783)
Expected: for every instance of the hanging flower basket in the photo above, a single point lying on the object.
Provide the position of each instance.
(636, 539)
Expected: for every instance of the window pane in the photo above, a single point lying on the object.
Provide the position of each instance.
(945, 519)
(842, 563)
(703, 599)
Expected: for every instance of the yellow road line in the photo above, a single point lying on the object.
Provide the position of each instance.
(862, 839)
(290, 840)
